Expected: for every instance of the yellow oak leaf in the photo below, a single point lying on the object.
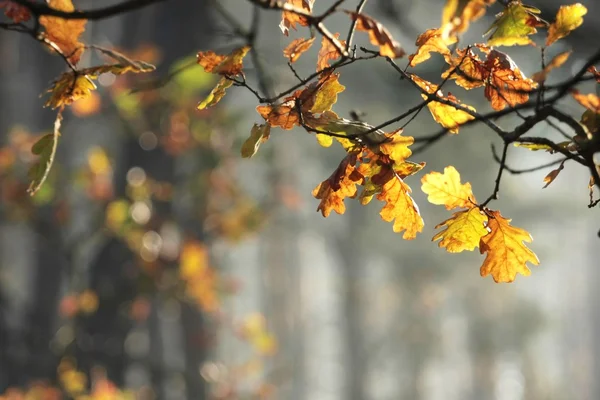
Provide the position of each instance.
(446, 189)
(400, 208)
(463, 230)
(216, 94)
(258, 135)
(458, 14)
(326, 93)
(568, 18)
(432, 40)
(64, 33)
(396, 147)
(507, 255)
(514, 25)
(296, 48)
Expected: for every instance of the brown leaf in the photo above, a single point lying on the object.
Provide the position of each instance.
(328, 52)
(297, 47)
(556, 62)
(378, 35)
(290, 19)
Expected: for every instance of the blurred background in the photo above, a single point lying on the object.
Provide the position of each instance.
(156, 263)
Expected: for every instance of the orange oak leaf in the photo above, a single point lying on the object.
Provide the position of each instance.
(296, 48)
(341, 184)
(467, 68)
(590, 101)
(514, 25)
(378, 35)
(548, 179)
(463, 230)
(400, 208)
(284, 115)
(556, 62)
(64, 33)
(446, 189)
(226, 65)
(568, 18)
(432, 40)
(458, 14)
(507, 255)
(328, 52)
(289, 19)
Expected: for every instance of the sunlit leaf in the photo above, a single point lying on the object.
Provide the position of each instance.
(324, 140)
(328, 52)
(514, 25)
(432, 40)
(46, 149)
(548, 179)
(64, 33)
(226, 65)
(556, 62)
(341, 184)
(446, 189)
(258, 135)
(297, 47)
(463, 230)
(326, 95)
(458, 14)
(590, 101)
(290, 19)
(216, 94)
(567, 19)
(400, 208)
(507, 255)
(378, 35)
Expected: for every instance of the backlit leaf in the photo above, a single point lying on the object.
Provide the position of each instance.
(460, 13)
(396, 147)
(446, 189)
(226, 65)
(326, 95)
(258, 135)
(463, 230)
(514, 25)
(400, 208)
(290, 19)
(556, 62)
(324, 140)
(568, 18)
(46, 149)
(328, 52)
(216, 94)
(548, 179)
(432, 40)
(507, 255)
(341, 184)
(590, 101)
(64, 33)
(297, 47)
(378, 35)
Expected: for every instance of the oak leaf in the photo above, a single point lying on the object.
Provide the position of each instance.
(548, 179)
(514, 25)
(341, 184)
(446, 115)
(458, 14)
(590, 101)
(216, 94)
(432, 40)
(328, 52)
(568, 18)
(400, 208)
(463, 230)
(297, 47)
(226, 65)
(326, 94)
(507, 255)
(396, 147)
(45, 147)
(64, 33)
(258, 135)
(289, 19)
(556, 62)
(446, 189)
(15, 11)
(378, 35)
